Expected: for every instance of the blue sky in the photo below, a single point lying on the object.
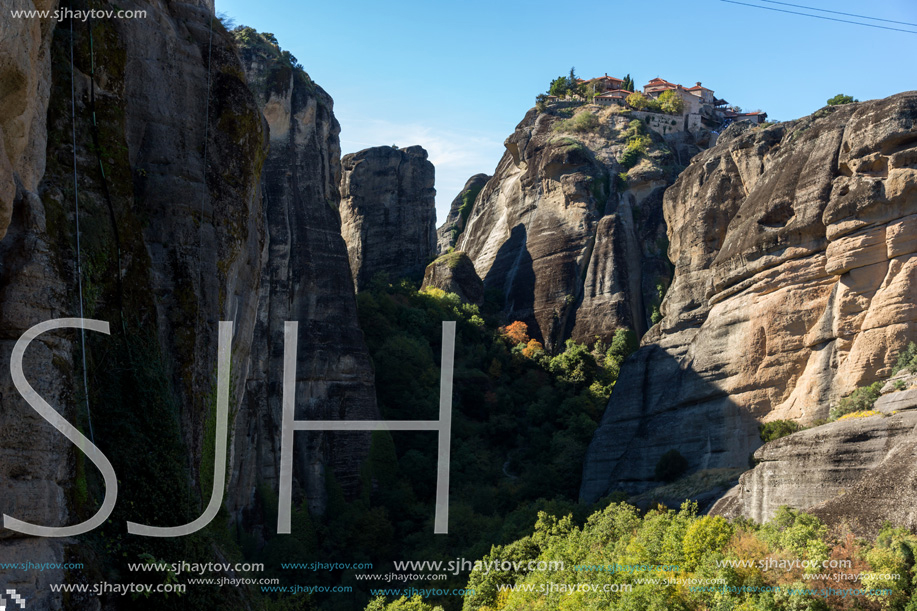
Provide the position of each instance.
(456, 77)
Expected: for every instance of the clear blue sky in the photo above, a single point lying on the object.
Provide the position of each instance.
(456, 77)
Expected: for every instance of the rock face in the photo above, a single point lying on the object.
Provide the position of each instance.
(306, 278)
(448, 233)
(794, 250)
(454, 273)
(857, 471)
(175, 236)
(25, 80)
(170, 244)
(559, 240)
(388, 213)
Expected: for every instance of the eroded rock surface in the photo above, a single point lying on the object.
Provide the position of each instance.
(454, 273)
(568, 247)
(459, 210)
(857, 471)
(305, 278)
(170, 244)
(795, 265)
(388, 213)
(25, 83)
(176, 235)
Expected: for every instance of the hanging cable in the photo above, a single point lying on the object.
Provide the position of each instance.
(79, 260)
(824, 10)
(780, 10)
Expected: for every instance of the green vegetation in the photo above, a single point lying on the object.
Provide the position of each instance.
(907, 359)
(671, 103)
(468, 197)
(776, 429)
(628, 84)
(451, 258)
(655, 304)
(582, 122)
(680, 545)
(566, 85)
(637, 101)
(522, 420)
(860, 400)
(668, 102)
(541, 102)
(404, 603)
(638, 143)
(670, 466)
(841, 99)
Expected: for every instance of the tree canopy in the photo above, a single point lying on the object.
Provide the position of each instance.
(841, 99)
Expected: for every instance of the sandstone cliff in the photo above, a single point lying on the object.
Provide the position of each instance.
(305, 277)
(795, 265)
(454, 273)
(459, 210)
(25, 80)
(560, 238)
(388, 214)
(170, 244)
(858, 471)
(175, 235)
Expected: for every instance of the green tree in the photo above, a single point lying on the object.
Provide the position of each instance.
(671, 103)
(670, 466)
(559, 86)
(541, 102)
(572, 78)
(628, 84)
(777, 429)
(706, 535)
(841, 99)
(575, 364)
(907, 359)
(637, 101)
(861, 399)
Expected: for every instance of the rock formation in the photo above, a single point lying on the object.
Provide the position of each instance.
(566, 245)
(388, 214)
(454, 273)
(448, 233)
(25, 80)
(306, 278)
(794, 250)
(175, 236)
(170, 244)
(858, 471)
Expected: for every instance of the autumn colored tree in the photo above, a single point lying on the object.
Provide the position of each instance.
(517, 332)
(532, 348)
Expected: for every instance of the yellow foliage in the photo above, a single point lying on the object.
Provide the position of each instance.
(532, 348)
(860, 414)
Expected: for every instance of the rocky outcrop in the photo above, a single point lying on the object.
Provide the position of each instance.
(170, 244)
(306, 278)
(388, 214)
(795, 263)
(454, 273)
(25, 82)
(570, 247)
(448, 233)
(858, 471)
(175, 235)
